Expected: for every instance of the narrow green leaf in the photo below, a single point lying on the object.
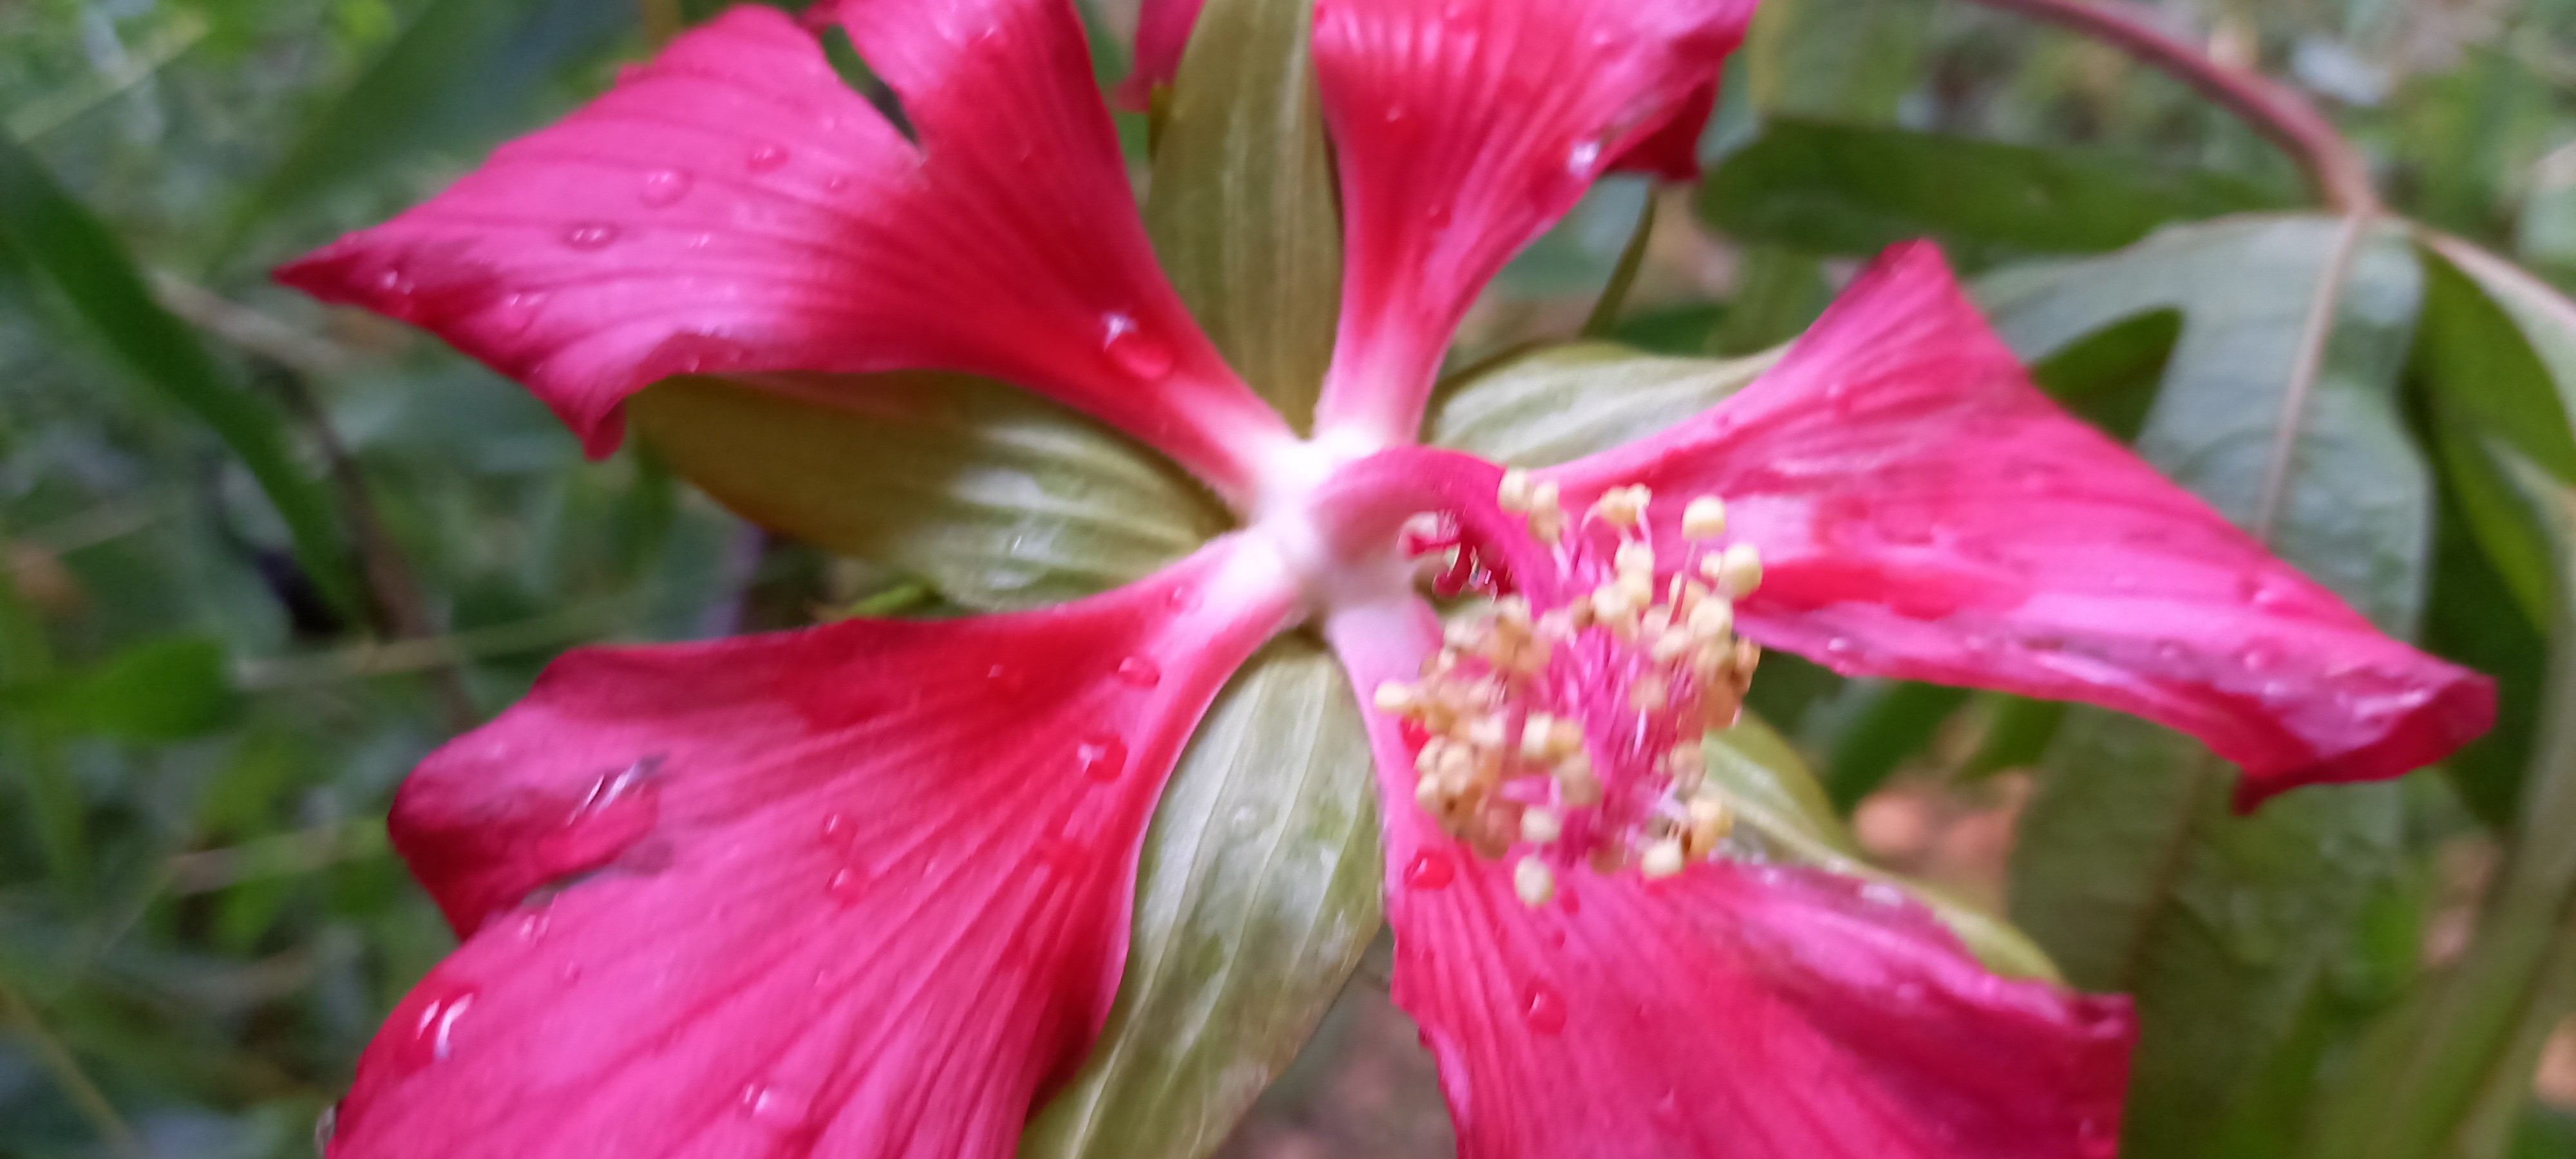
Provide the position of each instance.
(1258, 894)
(1001, 499)
(168, 689)
(1242, 209)
(2130, 867)
(2018, 732)
(464, 73)
(56, 234)
(1563, 402)
(2448, 1074)
(1781, 807)
(1854, 190)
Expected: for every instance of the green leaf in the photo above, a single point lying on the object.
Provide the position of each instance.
(1780, 806)
(2130, 867)
(1854, 190)
(54, 233)
(1888, 722)
(166, 690)
(1557, 403)
(1258, 894)
(463, 74)
(2449, 1073)
(999, 498)
(1243, 211)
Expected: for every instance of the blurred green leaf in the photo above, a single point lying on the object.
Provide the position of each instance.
(2018, 732)
(1827, 188)
(1258, 893)
(1242, 210)
(1891, 721)
(55, 234)
(2450, 1072)
(462, 74)
(999, 498)
(1781, 808)
(169, 689)
(2130, 867)
(1556, 403)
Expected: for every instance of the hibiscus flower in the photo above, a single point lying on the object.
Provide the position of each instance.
(864, 890)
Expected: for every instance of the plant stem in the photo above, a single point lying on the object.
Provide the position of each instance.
(18, 1015)
(1605, 311)
(2333, 167)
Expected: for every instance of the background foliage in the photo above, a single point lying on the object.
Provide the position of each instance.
(261, 557)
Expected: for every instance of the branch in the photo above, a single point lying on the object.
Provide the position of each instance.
(2333, 167)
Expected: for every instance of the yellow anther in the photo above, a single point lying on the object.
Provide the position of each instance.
(1711, 620)
(1541, 826)
(1663, 859)
(1622, 507)
(1710, 821)
(1649, 694)
(1397, 698)
(1546, 517)
(1638, 587)
(1427, 762)
(1514, 495)
(1564, 738)
(1688, 765)
(1705, 518)
(1670, 645)
(1512, 614)
(1556, 625)
(1574, 780)
(1739, 571)
(1428, 794)
(1485, 732)
(1534, 734)
(1457, 766)
(1636, 557)
(1655, 621)
(1534, 882)
(1463, 635)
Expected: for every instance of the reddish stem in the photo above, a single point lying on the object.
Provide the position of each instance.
(2332, 166)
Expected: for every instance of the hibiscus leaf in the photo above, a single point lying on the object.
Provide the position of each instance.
(1854, 190)
(2449, 1072)
(1552, 404)
(1257, 896)
(1242, 209)
(1779, 803)
(2130, 867)
(999, 498)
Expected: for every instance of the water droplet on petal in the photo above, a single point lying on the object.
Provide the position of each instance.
(1580, 160)
(777, 1107)
(765, 158)
(847, 886)
(1430, 870)
(590, 236)
(1101, 756)
(836, 829)
(1134, 351)
(1543, 1008)
(2259, 657)
(1139, 672)
(514, 313)
(1006, 680)
(433, 1033)
(2094, 1139)
(664, 187)
(1182, 599)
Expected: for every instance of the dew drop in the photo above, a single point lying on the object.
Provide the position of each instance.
(532, 926)
(2259, 657)
(1006, 681)
(1430, 870)
(2094, 1139)
(1182, 599)
(1133, 350)
(1102, 757)
(1582, 157)
(590, 236)
(776, 1107)
(836, 829)
(766, 158)
(515, 313)
(664, 187)
(434, 1032)
(1543, 1008)
(847, 886)
(1139, 672)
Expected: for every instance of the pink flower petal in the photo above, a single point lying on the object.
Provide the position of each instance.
(1672, 152)
(735, 206)
(1162, 33)
(1731, 1012)
(858, 890)
(1924, 512)
(1464, 129)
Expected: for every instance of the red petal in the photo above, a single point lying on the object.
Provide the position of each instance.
(859, 890)
(1162, 33)
(1924, 512)
(735, 206)
(1672, 152)
(1732, 1012)
(1462, 130)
